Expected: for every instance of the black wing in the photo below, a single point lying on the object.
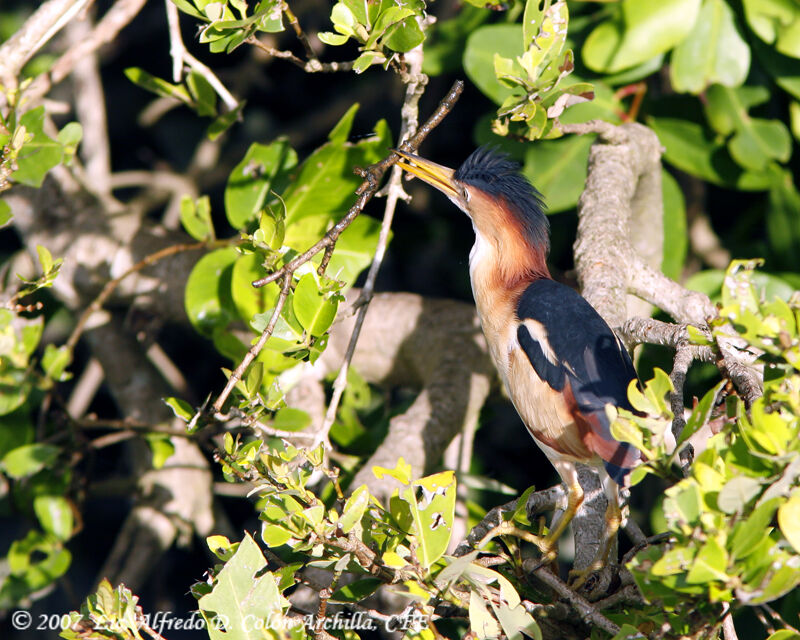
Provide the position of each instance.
(573, 349)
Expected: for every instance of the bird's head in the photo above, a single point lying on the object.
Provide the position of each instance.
(504, 206)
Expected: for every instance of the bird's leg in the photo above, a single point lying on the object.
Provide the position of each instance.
(613, 521)
(549, 546)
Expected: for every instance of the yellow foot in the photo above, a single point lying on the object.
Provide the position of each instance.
(578, 577)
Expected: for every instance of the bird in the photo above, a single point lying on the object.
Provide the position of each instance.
(559, 361)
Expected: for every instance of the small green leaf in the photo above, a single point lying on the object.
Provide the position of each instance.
(775, 22)
(55, 361)
(401, 472)
(207, 297)
(243, 590)
(205, 98)
(180, 408)
(357, 591)
(637, 31)
(789, 520)
(313, 309)
(54, 514)
(196, 218)
(714, 51)
(737, 493)
(38, 153)
(28, 459)
(432, 502)
(354, 509)
(156, 85)
(161, 447)
(711, 563)
(250, 181)
(291, 419)
(221, 124)
(5, 213)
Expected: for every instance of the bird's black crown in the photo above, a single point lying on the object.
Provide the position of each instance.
(497, 175)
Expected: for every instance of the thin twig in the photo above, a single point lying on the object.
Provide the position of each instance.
(253, 352)
(372, 176)
(311, 66)
(410, 121)
(111, 285)
(587, 611)
(113, 21)
(180, 55)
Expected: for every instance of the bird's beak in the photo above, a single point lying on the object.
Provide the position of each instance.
(434, 174)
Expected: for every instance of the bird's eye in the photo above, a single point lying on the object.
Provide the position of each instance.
(465, 194)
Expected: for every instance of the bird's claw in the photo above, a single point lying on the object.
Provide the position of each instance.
(578, 577)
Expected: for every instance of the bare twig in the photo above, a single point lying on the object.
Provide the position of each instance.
(490, 521)
(410, 121)
(42, 25)
(253, 352)
(372, 176)
(180, 55)
(115, 19)
(588, 612)
(310, 66)
(111, 285)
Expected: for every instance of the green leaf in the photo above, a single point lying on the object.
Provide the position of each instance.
(38, 560)
(250, 181)
(404, 35)
(275, 535)
(501, 39)
(39, 153)
(433, 513)
(325, 183)
(357, 591)
(755, 141)
(180, 408)
(161, 447)
(156, 85)
(291, 419)
(789, 520)
(5, 213)
(737, 493)
(638, 31)
(401, 472)
(249, 300)
(28, 459)
(55, 361)
(205, 98)
(628, 632)
(711, 563)
(675, 235)
(196, 218)
(354, 508)
(747, 533)
(69, 137)
(313, 309)
(701, 413)
(714, 51)
(697, 151)
(776, 22)
(674, 562)
(207, 297)
(188, 8)
(54, 514)
(221, 124)
(243, 591)
(558, 169)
